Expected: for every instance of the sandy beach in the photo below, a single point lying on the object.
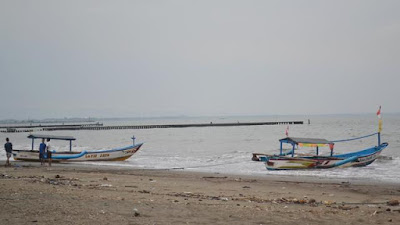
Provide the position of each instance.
(82, 194)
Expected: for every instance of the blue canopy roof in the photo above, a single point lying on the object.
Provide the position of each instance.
(40, 136)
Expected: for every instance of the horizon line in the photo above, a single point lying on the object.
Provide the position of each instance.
(188, 116)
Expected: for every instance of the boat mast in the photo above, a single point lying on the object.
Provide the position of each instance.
(379, 125)
(133, 139)
(379, 138)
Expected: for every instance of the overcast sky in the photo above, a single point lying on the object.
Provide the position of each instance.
(218, 57)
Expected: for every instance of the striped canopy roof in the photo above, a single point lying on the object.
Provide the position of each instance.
(311, 142)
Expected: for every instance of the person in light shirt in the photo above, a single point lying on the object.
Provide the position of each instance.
(48, 147)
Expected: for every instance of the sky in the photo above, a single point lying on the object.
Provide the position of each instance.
(82, 58)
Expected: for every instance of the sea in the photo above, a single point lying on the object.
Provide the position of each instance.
(228, 150)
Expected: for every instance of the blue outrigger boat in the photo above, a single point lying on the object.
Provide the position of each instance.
(290, 160)
(115, 154)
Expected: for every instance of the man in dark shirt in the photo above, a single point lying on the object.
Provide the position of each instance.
(42, 150)
(8, 149)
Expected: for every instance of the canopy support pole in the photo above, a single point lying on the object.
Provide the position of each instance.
(280, 153)
(317, 150)
(33, 140)
(293, 150)
(331, 146)
(70, 145)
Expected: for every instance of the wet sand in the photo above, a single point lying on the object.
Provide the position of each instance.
(82, 194)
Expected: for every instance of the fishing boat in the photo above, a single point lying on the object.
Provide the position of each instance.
(290, 160)
(302, 161)
(115, 154)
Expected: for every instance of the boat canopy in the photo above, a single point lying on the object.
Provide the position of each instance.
(318, 142)
(306, 142)
(43, 136)
(40, 136)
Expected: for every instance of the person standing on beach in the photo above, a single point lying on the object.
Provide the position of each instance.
(48, 147)
(8, 149)
(42, 150)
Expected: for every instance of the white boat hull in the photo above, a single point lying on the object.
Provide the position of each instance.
(119, 154)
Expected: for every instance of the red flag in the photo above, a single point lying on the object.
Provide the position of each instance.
(287, 131)
(379, 112)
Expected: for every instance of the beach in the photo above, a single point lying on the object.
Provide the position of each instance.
(87, 194)
(152, 112)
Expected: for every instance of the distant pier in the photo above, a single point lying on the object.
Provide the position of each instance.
(40, 127)
(99, 126)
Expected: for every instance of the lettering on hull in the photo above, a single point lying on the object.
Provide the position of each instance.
(131, 151)
(90, 156)
(368, 158)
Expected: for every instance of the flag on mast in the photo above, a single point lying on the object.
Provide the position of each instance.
(380, 119)
(379, 112)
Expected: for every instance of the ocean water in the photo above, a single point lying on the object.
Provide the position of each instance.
(229, 150)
